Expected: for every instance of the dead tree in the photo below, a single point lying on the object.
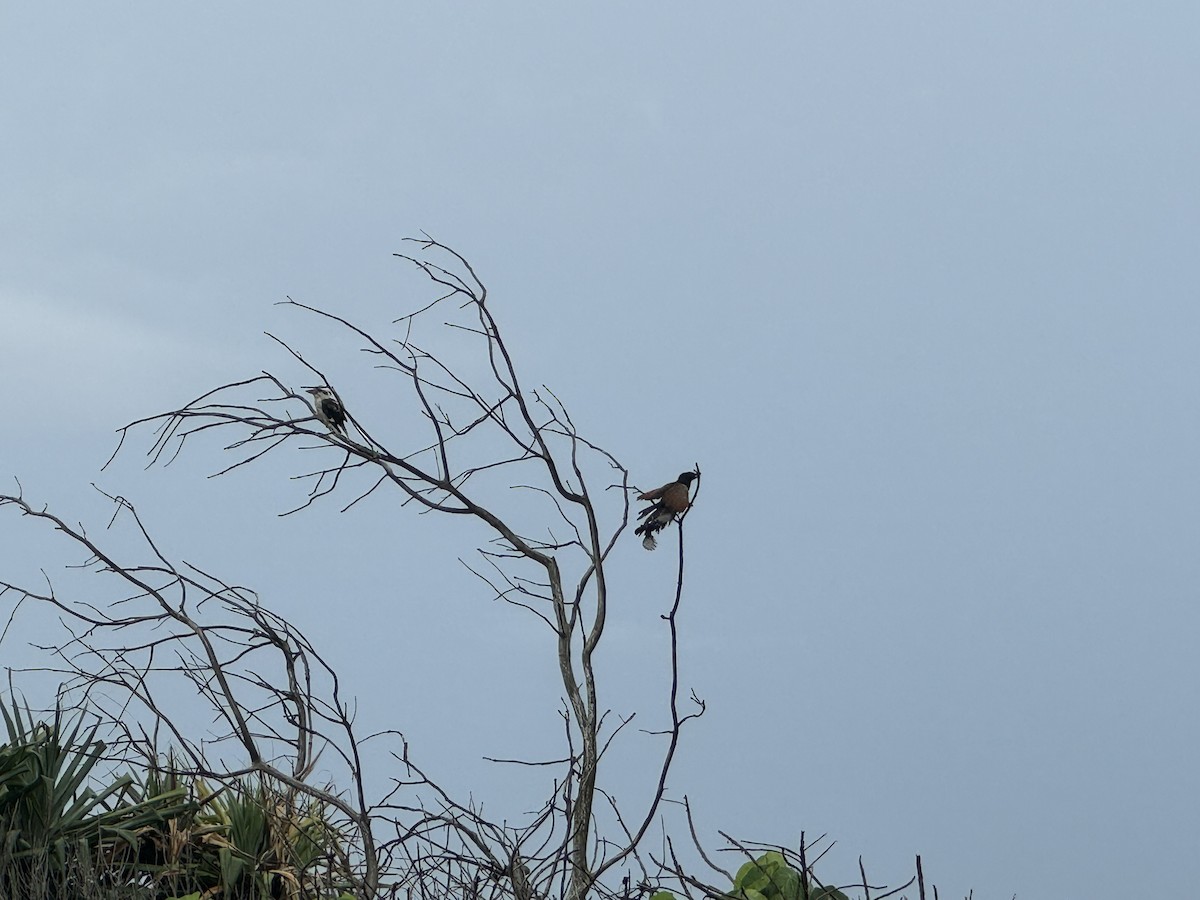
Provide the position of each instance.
(476, 431)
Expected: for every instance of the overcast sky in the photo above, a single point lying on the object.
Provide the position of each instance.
(915, 283)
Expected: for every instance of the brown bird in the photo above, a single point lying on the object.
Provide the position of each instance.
(670, 500)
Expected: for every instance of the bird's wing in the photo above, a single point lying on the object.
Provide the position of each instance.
(657, 492)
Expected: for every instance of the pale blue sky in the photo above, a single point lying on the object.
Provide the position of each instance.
(916, 284)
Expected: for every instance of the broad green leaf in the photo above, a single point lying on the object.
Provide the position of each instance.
(785, 882)
(751, 876)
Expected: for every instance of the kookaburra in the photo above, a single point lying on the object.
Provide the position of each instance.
(669, 501)
(329, 408)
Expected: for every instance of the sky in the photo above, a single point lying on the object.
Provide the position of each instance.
(915, 284)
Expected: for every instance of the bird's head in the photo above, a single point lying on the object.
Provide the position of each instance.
(320, 391)
(687, 477)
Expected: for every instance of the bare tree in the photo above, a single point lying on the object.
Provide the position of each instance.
(275, 705)
(479, 432)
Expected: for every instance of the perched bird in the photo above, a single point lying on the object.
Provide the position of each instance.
(669, 501)
(329, 408)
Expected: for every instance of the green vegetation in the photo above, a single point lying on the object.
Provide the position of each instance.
(57, 827)
(771, 878)
(160, 837)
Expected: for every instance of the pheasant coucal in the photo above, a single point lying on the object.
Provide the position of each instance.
(669, 501)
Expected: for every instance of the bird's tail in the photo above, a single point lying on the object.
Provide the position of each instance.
(653, 523)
